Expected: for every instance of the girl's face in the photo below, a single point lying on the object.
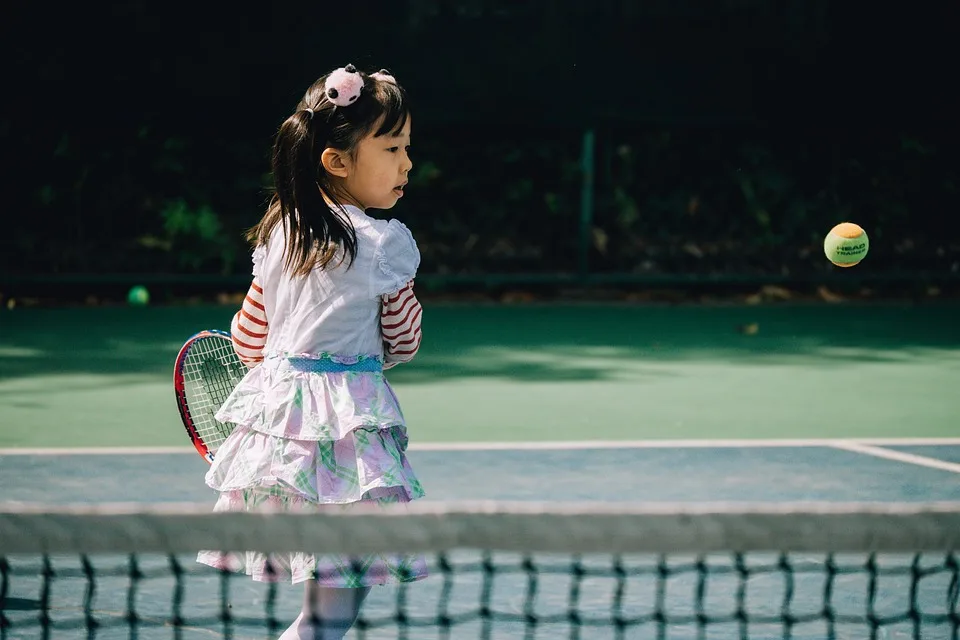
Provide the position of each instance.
(377, 172)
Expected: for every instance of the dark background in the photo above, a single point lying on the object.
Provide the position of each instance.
(729, 136)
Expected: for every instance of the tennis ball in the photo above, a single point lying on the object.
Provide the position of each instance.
(846, 244)
(138, 296)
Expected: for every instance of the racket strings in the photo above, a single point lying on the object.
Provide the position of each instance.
(211, 370)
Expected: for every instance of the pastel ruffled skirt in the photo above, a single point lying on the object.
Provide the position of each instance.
(313, 434)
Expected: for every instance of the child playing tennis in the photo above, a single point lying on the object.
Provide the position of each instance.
(330, 307)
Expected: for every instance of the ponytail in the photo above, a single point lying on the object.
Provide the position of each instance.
(315, 231)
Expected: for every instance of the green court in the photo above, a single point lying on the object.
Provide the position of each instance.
(102, 377)
(667, 405)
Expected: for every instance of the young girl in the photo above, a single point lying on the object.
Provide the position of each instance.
(331, 305)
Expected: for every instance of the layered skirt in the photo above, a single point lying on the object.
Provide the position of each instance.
(314, 434)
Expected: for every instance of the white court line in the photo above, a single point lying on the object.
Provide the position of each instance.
(542, 446)
(94, 451)
(899, 456)
(670, 444)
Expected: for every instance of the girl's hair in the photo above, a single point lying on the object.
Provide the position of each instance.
(315, 230)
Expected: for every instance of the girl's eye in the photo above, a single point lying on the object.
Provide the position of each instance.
(393, 149)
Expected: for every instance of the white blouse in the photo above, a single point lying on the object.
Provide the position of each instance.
(335, 310)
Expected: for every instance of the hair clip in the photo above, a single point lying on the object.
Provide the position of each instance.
(310, 111)
(385, 76)
(343, 86)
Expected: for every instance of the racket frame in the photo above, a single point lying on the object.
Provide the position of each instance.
(179, 388)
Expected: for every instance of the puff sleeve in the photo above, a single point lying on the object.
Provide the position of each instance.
(259, 254)
(396, 260)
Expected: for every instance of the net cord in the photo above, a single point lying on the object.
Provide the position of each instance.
(532, 527)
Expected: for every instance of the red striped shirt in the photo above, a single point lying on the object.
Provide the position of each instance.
(249, 327)
(400, 322)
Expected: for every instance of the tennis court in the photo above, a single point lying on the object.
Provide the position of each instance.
(604, 404)
(101, 377)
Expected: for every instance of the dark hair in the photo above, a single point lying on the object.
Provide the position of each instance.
(315, 230)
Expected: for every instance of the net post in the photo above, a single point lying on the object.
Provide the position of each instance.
(586, 201)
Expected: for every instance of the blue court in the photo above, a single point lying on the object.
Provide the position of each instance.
(841, 471)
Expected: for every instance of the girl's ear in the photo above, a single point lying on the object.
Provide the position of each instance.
(336, 162)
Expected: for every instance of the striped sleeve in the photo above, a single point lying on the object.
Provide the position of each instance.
(249, 327)
(400, 322)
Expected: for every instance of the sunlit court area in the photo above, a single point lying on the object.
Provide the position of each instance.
(480, 319)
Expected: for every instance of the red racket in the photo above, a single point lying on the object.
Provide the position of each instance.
(206, 372)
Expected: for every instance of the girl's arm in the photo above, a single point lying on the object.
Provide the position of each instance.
(400, 322)
(249, 327)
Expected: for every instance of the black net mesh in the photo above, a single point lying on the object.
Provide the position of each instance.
(484, 594)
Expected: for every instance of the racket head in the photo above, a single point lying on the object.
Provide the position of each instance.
(206, 371)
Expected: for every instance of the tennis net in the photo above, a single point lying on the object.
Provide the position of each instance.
(498, 570)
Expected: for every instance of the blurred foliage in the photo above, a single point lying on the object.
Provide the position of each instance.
(742, 202)
(731, 154)
(680, 200)
(193, 238)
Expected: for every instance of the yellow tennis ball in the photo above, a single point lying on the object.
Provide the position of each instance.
(846, 244)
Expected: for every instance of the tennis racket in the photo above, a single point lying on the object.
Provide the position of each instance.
(206, 372)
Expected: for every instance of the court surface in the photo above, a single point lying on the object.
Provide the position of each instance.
(101, 377)
(667, 473)
(652, 404)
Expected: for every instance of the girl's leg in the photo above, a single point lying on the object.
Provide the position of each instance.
(338, 610)
(335, 611)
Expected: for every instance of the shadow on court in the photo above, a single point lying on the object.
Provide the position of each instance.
(523, 343)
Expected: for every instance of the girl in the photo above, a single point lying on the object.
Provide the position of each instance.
(331, 305)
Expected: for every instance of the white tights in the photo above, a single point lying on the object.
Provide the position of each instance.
(335, 610)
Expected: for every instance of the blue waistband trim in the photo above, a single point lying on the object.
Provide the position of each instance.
(326, 365)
